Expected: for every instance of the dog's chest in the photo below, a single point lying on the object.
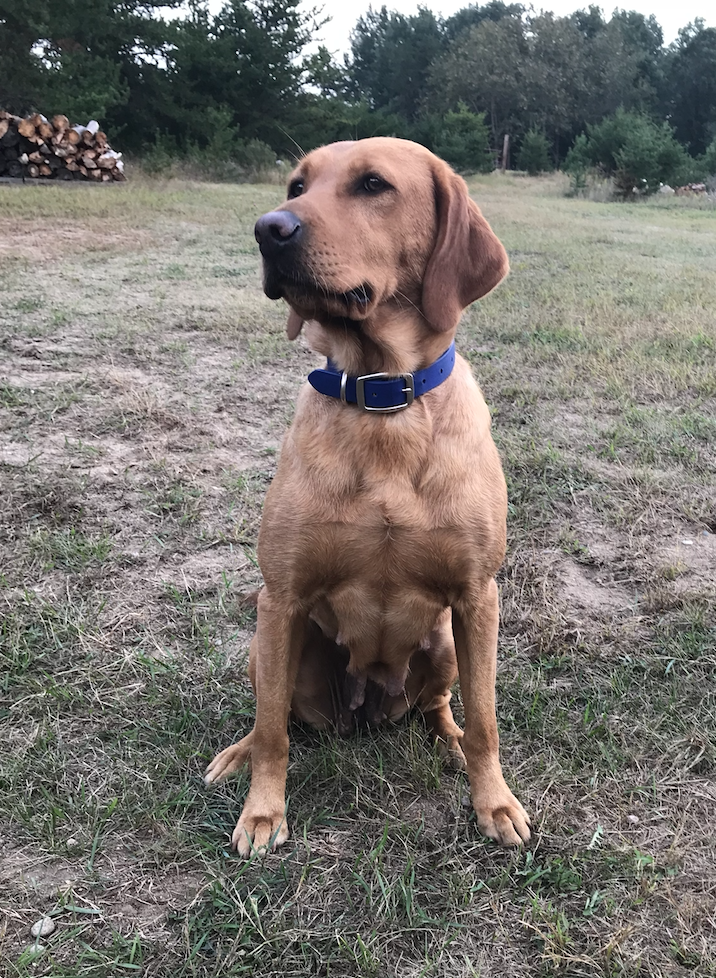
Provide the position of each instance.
(387, 572)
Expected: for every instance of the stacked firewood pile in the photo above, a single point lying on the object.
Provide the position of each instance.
(54, 149)
(691, 190)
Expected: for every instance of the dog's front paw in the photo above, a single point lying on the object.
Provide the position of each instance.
(256, 831)
(500, 816)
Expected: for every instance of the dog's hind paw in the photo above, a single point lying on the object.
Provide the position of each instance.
(451, 752)
(229, 761)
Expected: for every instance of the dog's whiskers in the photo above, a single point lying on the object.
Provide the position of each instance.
(402, 295)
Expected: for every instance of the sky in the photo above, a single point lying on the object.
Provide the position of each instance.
(671, 14)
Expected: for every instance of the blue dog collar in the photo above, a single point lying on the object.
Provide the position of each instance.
(384, 393)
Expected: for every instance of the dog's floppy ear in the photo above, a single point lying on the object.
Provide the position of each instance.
(294, 324)
(468, 259)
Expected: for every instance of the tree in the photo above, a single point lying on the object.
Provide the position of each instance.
(589, 22)
(473, 15)
(390, 59)
(484, 68)
(245, 63)
(464, 141)
(691, 83)
(554, 75)
(636, 151)
(708, 160)
(534, 153)
(21, 69)
(649, 157)
(79, 57)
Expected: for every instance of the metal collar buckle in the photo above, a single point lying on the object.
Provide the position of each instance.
(408, 390)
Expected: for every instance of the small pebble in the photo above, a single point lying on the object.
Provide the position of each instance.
(72, 842)
(634, 819)
(43, 928)
(688, 543)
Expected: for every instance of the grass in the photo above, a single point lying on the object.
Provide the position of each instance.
(145, 384)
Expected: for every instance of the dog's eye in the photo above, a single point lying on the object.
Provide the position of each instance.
(295, 189)
(374, 184)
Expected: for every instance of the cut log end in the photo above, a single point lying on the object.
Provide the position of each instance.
(35, 147)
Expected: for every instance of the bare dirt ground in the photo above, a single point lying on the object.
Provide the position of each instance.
(145, 383)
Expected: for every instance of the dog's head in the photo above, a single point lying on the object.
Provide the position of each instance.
(375, 222)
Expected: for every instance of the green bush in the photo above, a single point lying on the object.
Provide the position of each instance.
(708, 160)
(577, 164)
(224, 158)
(534, 153)
(248, 161)
(463, 140)
(649, 157)
(638, 153)
(317, 121)
(159, 156)
(607, 138)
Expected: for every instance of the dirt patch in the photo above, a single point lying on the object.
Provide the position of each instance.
(687, 557)
(118, 891)
(591, 592)
(39, 241)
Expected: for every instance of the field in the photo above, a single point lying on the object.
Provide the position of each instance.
(145, 383)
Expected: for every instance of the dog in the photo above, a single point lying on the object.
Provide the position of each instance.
(386, 522)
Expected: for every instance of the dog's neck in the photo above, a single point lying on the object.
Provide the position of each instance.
(390, 341)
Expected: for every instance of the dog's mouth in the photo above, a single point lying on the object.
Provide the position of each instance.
(315, 298)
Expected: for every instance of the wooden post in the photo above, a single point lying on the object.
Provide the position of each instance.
(505, 152)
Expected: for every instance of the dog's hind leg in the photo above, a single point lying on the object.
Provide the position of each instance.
(433, 670)
(230, 760)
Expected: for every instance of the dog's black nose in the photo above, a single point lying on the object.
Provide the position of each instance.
(275, 230)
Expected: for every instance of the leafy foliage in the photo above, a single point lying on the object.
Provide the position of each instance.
(391, 55)
(708, 160)
(534, 153)
(464, 141)
(638, 152)
(215, 81)
(692, 77)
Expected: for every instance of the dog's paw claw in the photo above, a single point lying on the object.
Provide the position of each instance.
(503, 819)
(254, 832)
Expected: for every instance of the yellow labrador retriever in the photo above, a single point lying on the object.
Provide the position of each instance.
(385, 525)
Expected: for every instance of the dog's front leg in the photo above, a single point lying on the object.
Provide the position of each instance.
(280, 636)
(500, 816)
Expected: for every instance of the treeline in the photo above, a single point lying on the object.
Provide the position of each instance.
(241, 84)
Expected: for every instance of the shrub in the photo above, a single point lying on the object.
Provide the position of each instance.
(464, 141)
(534, 153)
(608, 137)
(317, 121)
(637, 152)
(649, 157)
(577, 164)
(159, 156)
(708, 160)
